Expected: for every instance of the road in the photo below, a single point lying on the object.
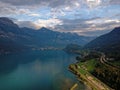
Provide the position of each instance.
(89, 79)
(106, 63)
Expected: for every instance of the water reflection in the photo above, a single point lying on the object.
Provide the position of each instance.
(37, 70)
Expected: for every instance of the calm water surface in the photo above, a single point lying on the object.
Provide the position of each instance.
(37, 70)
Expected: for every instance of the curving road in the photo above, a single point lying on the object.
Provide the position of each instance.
(106, 63)
(90, 79)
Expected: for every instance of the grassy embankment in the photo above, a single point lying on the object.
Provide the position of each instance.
(83, 71)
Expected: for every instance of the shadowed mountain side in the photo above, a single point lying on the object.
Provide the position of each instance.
(13, 38)
(108, 43)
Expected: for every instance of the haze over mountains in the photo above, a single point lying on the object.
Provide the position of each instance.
(13, 38)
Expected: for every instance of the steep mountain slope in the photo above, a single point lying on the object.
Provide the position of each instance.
(13, 38)
(108, 43)
(46, 37)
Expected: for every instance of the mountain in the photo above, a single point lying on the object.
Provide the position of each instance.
(108, 43)
(46, 38)
(13, 38)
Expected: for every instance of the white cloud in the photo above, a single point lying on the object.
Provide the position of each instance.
(34, 15)
(77, 4)
(48, 23)
(93, 3)
(28, 24)
(103, 21)
(64, 15)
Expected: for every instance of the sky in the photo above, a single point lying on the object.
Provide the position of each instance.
(84, 17)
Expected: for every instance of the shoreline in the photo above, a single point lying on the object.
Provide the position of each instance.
(74, 86)
(81, 80)
(88, 80)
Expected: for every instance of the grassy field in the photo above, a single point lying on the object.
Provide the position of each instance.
(83, 69)
(89, 65)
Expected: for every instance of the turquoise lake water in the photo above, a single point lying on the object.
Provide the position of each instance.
(37, 70)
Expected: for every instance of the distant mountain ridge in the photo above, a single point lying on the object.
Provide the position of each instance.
(108, 43)
(110, 38)
(13, 38)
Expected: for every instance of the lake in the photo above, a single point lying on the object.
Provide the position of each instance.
(37, 70)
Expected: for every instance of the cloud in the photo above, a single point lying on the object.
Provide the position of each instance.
(7, 9)
(90, 27)
(28, 24)
(22, 2)
(114, 2)
(57, 7)
(58, 3)
(96, 32)
(93, 3)
(76, 16)
(51, 3)
(34, 15)
(51, 23)
(102, 21)
(48, 23)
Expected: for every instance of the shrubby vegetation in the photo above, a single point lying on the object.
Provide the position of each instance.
(108, 75)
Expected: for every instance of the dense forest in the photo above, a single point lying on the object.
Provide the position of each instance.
(110, 76)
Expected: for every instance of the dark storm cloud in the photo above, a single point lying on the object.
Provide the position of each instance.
(6, 9)
(21, 2)
(114, 1)
(51, 3)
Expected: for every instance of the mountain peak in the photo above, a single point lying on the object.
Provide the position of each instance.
(116, 30)
(44, 29)
(8, 23)
(6, 20)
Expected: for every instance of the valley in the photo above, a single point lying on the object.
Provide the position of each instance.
(96, 65)
(59, 44)
(14, 39)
